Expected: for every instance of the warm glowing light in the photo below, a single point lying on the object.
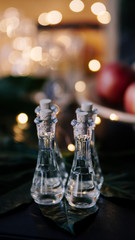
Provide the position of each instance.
(10, 12)
(76, 5)
(42, 19)
(80, 86)
(9, 23)
(13, 57)
(65, 40)
(54, 17)
(22, 118)
(55, 53)
(113, 117)
(94, 65)
(71, 147)
(98, 120)
(97, 8)
(20, 43)
(104, 17)
(36, 54)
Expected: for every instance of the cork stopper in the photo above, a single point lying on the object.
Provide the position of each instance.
(87, 106)
(45, 114)
(82, 117)
(45, 103)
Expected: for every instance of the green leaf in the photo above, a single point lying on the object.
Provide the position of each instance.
(119, 176)
(66, 216)
(119, 185)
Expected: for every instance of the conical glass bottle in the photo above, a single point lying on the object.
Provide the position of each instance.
(92, 113)
(47, 104)
(47, 187)
(81, 190)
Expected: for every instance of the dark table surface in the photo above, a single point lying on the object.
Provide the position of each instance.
(115, 219)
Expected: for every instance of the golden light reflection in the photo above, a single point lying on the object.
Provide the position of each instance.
(18, 130)
(94, 65)
(42, 19)
(97, 8)
(76, 5)
(80, 86)
(22, 118)
(71, 147)
(104, 17)
(54, 17)
(98, 120)
(114, 117)
(36, 54)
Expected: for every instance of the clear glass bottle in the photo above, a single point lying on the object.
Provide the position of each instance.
(81, 190)
(47, 186)
(92, 113)
(47, 104)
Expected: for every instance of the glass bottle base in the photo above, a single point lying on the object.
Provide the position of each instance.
(47, 199)
(79, 202)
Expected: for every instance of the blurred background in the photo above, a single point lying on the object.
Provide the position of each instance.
(54, 49)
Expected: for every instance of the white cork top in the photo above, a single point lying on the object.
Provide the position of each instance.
(45, 103)
(45, 114)
(87, 106)
(82, 116)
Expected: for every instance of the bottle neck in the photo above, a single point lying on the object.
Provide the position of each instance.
(46, 142)
(46, 134)
(82, 149)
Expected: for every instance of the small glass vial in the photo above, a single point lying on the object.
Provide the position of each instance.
(92, 113)
(81, 191)
(47, 104)
(47, 187)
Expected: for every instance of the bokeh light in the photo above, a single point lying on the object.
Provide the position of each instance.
(22, 118)
(42, 19)
(71, 147)
(76, 5)
(36, 54)
(54, 17)
(114, 117)
(104, 17)
(80, 86)
(97, 8)
(20, 43)
(98, 120)
(94, 65)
